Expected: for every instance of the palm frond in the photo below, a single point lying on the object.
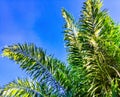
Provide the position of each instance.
(24, 88)
(75, 54)
(40, 67)
(70, 37)
(98, 27)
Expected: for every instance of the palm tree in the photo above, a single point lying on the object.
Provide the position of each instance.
(93, 47)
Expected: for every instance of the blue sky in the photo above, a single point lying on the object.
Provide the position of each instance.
(39, 22)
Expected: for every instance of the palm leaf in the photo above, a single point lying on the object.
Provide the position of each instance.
(24, 88)
(40, 67)
(98, 27)
(75, 54)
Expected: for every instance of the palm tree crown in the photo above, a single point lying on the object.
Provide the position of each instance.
(93, 47)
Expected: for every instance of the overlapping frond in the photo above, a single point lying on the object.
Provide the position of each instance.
(101, 67)
(44, 69)
(75, 54)
(23, 88)
(90, 45)
(71, 39)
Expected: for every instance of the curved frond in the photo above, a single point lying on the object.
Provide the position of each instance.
(93, 50)
(24, 88)
(70, 37)
(99, 47)
(41, 67)
(75, 54)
